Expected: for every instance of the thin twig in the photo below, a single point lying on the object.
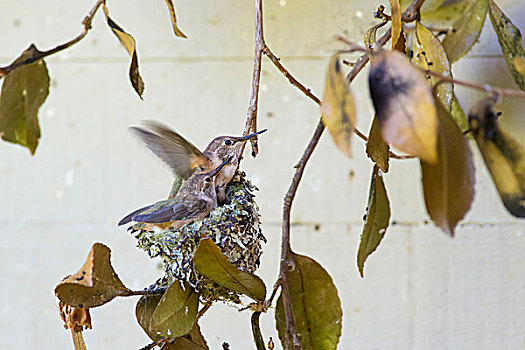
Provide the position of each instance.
(251, 120)
(203, 310)
(157, 342)
(41, 54)
(485, 88)
(133, 293)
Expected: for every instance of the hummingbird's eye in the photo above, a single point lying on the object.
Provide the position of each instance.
(208, 179)
(228, 142)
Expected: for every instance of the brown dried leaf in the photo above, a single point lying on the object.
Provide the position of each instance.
(466, 30)
(395, 10)
(376, 148)
(503, 155)
(23, 92)
(370, 35)
(129, 44)
(173, 18)
(95, 284)
(448, 185)
(316, 306)
(338, 107)
(509, 38)
(210, 262)
(377, 220)
(404, 105)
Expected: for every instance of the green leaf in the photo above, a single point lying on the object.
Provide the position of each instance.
(129, 44)
(173, 18)
(176, 312)
(445, 15)
(191, 341)
(316, 306)
(509, 38)
(23, 92)
(504, 156)
(144, 310)
(338, 107)
(466, 30)
(457, 113)
(404, 105)
(95, 284)
(430, 55)
(448, 185)
(210, 262)
(376, 148)
(377, 220)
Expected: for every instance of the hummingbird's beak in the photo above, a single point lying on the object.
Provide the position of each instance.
(217, 169)
(247, 137)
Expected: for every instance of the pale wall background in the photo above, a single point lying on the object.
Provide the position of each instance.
(422, 290)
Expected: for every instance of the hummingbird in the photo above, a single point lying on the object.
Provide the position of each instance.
(184, 158)
(194, 201)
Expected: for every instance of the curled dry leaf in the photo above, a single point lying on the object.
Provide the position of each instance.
(173, 18)
(176, 312)
(316, 306)
(448, 185)
(210, 262)
(503, 155)
(370, 35)
(129, 44)
(377, 220)
(376, 148)
(95, 284)
(75, 319)
(338, 107)
(404, 105)
(509, 38)
(466, 30)
(23, 92)
(395, 11)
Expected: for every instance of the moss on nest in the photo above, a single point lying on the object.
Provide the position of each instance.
(234, 227)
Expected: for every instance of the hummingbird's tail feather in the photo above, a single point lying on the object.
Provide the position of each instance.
(130, 216)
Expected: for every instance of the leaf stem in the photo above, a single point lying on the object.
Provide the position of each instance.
(256, 331)
(86, 22)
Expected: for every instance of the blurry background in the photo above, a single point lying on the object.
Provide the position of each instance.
(422, 290)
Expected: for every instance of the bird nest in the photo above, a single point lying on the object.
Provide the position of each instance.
(234, 227)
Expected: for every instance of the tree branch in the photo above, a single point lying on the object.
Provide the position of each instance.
(37, 55)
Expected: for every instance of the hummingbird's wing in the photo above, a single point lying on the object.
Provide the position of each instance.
(176, 211)
(181, 156)
(129, 217)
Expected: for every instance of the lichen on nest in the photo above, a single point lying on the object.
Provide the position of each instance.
(234, 227)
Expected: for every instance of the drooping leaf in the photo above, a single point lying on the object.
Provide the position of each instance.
(23, 92)
(191, 341)
(173, 18)
(210, 262)
(316, 306)
(370, 35)
(377, 220)
(338, 107)
(95, 284)
(129, 44)
(466, 30)
(395, 10)
(404, 105)
(176, 311)
(509, 38)
(503, 155)
(144, 310)
(448, 185)
(376, 148)
(430, 55)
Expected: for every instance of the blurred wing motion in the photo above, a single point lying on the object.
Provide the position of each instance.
(181, 156)
(173, 212)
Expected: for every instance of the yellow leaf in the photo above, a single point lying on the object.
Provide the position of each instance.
(173, 18)
(404, 105)
(337, 107)
(504, 156)
(395, 10)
